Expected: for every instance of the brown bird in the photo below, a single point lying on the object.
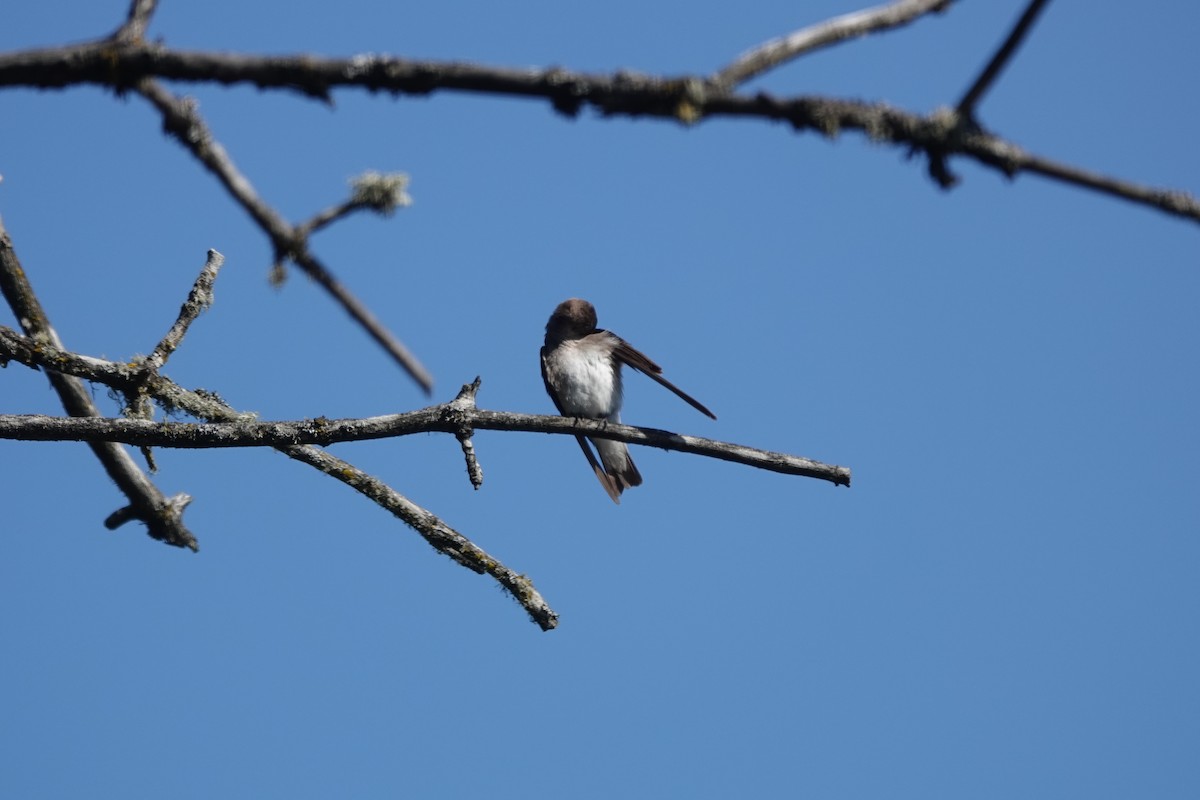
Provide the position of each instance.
(581, 366)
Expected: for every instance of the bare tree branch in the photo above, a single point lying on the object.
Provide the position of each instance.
(163, 516)
(940, 135)
(445, 418)
(290, 242)
(134, 27)
(198, 300)
(779, 51)
(1174, 202)
(966, 106)
(373, 191)
(127, 378)
(466, 402)
(441, 536)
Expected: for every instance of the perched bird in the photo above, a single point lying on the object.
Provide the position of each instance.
(581, 365)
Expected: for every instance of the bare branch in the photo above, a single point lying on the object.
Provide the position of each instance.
(205, 405)
(465, 401)
(445, 418)
(329, 216)
(163, 516)
(372, 191)
(316, 270)
(138, 19)
(121, 376)
(198, 300)
(181, 121)
(940, 135)
(779, 51)
(1173, 202)
(966, 106)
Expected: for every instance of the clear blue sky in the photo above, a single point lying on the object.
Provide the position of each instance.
(1005, 604)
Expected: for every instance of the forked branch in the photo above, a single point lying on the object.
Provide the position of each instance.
(162, 515)
(183, 122)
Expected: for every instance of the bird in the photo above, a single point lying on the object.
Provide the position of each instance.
(581, 367)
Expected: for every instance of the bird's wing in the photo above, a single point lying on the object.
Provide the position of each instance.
(635, 358)
(546, 380)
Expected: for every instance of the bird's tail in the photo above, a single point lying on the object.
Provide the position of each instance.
(618, 464)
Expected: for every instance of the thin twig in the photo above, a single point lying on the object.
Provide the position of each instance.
(198, 300)
(373, 191)
(127, 378)
(136, 22)
(465, 401)
(971, 99)
(181, 121)
(329, 216)
(361, 314)
(163, 516)
(779, 51)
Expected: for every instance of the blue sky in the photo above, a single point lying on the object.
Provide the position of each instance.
(1004, 604)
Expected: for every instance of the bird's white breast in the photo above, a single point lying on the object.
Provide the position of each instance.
(587, 384)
